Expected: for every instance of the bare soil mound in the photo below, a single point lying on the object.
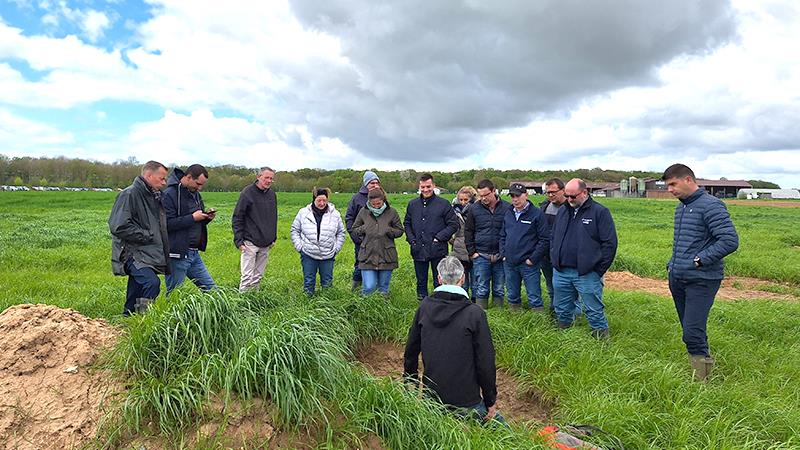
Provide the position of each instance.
(385, 359)
(733, 288)
(50, 397)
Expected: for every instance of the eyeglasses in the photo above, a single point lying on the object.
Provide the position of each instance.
(571, 197)
(552, 192)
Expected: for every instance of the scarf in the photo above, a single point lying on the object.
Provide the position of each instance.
(377, 211)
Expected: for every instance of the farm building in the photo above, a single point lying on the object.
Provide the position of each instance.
(656, 188)
(773, 194)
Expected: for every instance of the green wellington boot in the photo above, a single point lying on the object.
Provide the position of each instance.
(701, 366)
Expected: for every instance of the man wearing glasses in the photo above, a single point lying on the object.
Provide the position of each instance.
(554, 190)
(582, 248)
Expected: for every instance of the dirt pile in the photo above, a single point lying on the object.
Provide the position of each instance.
(733, 288)
(50, 397)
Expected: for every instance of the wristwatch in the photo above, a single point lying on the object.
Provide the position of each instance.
(697, 262)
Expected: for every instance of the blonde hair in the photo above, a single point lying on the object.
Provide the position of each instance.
(469, 190)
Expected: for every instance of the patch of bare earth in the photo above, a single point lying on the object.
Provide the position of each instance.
(385, 359)
(50, 396)
(733, 288)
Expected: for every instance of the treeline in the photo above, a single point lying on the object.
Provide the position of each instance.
(66, 172)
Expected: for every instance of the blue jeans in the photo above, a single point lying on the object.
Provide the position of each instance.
(485, 272)
(375, 280)
(479, 412)
(310, 268)
(142, 283)
(421, 270)
(568, 286)
(516, 274)
(191, 266)
(693, 300)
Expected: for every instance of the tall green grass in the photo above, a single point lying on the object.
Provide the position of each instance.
(277, 344)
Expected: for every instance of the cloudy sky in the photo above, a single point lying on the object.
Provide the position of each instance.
(440, 85)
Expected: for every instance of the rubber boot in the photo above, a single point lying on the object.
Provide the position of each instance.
(355, 286)
(601, 334)
(702, 366)
(483, 303)
(141, 305)
(515, 307)
(497, 302)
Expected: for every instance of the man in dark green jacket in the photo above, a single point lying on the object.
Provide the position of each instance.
(704, 235)
(139, 245)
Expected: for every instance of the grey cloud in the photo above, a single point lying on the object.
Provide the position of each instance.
(429, 79)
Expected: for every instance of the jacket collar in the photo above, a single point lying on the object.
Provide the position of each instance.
(452, 289)
(695, 195)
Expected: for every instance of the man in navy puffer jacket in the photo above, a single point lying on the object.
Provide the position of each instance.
(704, 235)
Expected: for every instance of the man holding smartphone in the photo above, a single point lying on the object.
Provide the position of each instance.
(187, 221)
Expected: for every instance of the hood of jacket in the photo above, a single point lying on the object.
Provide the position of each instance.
(175, 177)
(445, 306)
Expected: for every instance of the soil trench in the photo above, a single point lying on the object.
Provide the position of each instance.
(733, 288)
(385, 359)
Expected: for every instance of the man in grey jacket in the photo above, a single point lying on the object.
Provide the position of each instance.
(704, 235)
(139, 243)
(255, 227)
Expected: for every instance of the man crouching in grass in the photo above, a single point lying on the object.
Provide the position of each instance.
(457, 351)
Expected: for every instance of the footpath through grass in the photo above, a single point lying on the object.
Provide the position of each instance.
(55, 249)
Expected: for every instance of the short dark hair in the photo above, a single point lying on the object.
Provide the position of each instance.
(677, 171)
(320, 191)
(195, 170)
(152, 166)
(557, 181)
(264, 169)
(426, 177)
(486, 184)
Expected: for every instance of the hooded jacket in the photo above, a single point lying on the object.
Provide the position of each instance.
(703, 229)
(138, 228)
(331, 233)
(179, 204)
(597, 242)
(357, 203)
(377, 234)
(457, 350)
(255, 217)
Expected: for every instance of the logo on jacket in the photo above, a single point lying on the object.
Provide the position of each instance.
(586, 221)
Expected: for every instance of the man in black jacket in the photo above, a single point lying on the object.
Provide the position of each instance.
(429, 223)
(457, 350)
(554, 190)
(582, 247)
(139, 243)
(482, 226)
(187, 221)
(369, 182)
(255, 227)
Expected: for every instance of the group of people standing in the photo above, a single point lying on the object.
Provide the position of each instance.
(477, 248)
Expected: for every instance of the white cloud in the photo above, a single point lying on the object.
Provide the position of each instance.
(94, 24)
(20, 136)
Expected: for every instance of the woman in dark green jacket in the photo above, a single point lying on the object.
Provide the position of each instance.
(378, 225)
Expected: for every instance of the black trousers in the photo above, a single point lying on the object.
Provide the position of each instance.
(693, 300)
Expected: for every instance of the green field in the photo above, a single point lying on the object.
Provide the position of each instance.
(55, 249)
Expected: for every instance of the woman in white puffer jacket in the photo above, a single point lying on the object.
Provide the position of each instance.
(318, 235)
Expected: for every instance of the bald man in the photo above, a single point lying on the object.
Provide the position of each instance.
(583, 246)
